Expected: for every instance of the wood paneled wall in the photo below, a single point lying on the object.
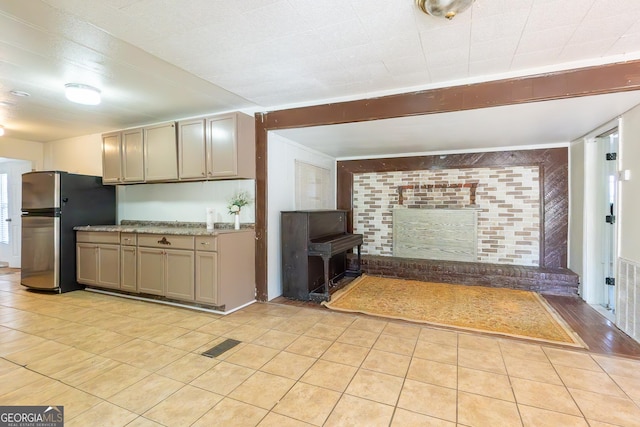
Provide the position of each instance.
(554, 188)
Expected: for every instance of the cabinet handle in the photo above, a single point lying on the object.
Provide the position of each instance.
(164, 241)
(204, 243)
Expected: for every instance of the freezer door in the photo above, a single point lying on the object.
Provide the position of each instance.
(40, 252)
(40, 190)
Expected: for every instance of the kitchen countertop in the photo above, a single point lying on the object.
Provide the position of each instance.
(163, 227)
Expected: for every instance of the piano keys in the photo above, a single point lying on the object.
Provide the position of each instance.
(314, 247)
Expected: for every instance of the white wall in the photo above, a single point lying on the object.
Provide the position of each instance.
(81, 155)
(628, 274)
(183, 201)
(629, 191)
(21, 149)
(576, 208)
(281, 156)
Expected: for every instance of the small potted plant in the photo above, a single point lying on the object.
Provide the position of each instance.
(236, 203)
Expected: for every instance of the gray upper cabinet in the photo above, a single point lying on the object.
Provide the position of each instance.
(160, 152)
(111, 158)
(215, 147)
(122, 157)
(222, 149)
(132, 155)
(192, 149)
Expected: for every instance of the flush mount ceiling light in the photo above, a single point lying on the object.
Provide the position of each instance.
(82, 94)
(444, 8)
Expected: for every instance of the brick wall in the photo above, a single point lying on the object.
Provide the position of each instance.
(507, 199)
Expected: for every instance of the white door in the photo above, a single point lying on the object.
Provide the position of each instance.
(10, 208)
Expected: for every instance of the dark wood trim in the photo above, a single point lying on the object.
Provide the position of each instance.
(261, 208)
(596, 80)
(611, 78)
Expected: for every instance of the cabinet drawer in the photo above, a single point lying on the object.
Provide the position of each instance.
(98, 237)
(166, 241)
(206, 243)
(128, 239)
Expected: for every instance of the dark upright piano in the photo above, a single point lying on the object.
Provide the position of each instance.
(314, 247)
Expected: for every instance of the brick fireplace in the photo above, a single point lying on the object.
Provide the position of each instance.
(507, 200)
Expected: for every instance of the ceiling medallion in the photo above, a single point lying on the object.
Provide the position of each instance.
(444, 8)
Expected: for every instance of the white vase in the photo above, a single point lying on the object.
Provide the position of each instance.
(236, 224)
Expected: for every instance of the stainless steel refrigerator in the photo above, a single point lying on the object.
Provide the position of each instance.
(53, 202)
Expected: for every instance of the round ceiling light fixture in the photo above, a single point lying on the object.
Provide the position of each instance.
(82, 94)
(444, 8)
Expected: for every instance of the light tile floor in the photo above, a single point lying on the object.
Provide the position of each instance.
(114, 362)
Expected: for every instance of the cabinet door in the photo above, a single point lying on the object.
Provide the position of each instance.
(221, 145)
(111, 158)
(236, 265)
(191, 149)
(150, 271)
(109, 266)
(132, 155)
(207, 277)
(179, 275)
(87, 263)
(160, 152)
(128, 269)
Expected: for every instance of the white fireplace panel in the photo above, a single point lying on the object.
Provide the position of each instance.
(445, 234)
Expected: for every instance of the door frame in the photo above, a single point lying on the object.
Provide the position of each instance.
(14, 169)
(593, 236)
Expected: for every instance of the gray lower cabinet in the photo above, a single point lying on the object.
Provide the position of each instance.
(236, 275)
(179, 267)
(150, 271)
(128, 280)
(213, 270)
(128, 262)
(86, 263)
(206, 270)
(98, 259)
(166, 272)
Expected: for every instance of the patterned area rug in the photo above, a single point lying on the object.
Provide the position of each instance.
(510, 312)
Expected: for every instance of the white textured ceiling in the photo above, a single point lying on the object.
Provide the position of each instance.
(164, 59)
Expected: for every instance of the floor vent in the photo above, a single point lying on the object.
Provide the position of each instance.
(225, 345)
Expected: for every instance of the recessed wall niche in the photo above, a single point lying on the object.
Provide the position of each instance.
(507, 199)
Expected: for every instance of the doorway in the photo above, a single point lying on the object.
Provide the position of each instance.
(608, 147)
(10, 210)
(600, 220)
